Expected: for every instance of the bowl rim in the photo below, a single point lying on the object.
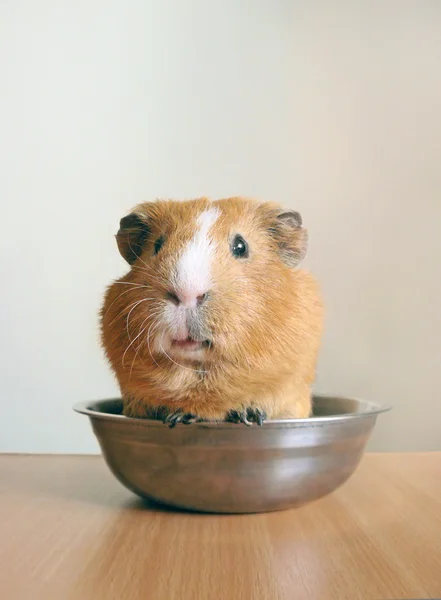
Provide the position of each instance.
(369, 409)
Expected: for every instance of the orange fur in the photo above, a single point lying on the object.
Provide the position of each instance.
(266, 319)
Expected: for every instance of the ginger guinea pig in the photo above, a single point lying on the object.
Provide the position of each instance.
(213, 321)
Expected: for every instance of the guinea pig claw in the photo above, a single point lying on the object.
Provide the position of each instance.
(247, 417)
(260, 417)
(188, 419)
(256, 415)
(243, 417)
(236, 416)
(173, 419)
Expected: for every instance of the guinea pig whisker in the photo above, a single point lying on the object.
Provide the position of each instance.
(130, 312)
(149, 334)
(129, 283)
(141, 330)
(147, 268)
(152, 314)
(120, 314)
(151, 273)
(124, 310)
(151, 281)
(121, 294)
(139, 345)
(149, 316)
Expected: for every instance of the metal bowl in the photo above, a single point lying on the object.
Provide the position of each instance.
(230, 468)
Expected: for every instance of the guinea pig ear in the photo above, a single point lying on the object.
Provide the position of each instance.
(291, 238)
(133, 232)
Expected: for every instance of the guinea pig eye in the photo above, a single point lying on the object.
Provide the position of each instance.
(239, 247)
(158, 245)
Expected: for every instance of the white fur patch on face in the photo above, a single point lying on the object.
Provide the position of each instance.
(193, 269)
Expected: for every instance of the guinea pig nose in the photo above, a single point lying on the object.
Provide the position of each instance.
(187, 299)
(201, 299)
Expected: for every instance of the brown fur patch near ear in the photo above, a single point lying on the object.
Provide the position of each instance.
(133, 231)
(292, 240)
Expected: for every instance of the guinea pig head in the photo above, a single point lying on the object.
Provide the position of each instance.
(209, 281)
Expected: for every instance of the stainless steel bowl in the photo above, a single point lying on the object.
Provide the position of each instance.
(230, 468)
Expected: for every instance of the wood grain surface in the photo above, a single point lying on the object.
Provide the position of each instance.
(69, 531)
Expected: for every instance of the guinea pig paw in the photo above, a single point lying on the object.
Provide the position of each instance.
(257, 415)
(247, 416)
(173, 419)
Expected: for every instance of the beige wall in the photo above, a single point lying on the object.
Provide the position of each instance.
(331, 107)
(371, 190)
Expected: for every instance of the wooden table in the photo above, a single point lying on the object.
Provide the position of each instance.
(69, 531)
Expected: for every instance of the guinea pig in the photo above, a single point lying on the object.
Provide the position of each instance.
(213, 321)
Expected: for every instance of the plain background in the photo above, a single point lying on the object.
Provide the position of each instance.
(333, 108)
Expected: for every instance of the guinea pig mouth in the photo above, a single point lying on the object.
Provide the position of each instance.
(191, 344)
